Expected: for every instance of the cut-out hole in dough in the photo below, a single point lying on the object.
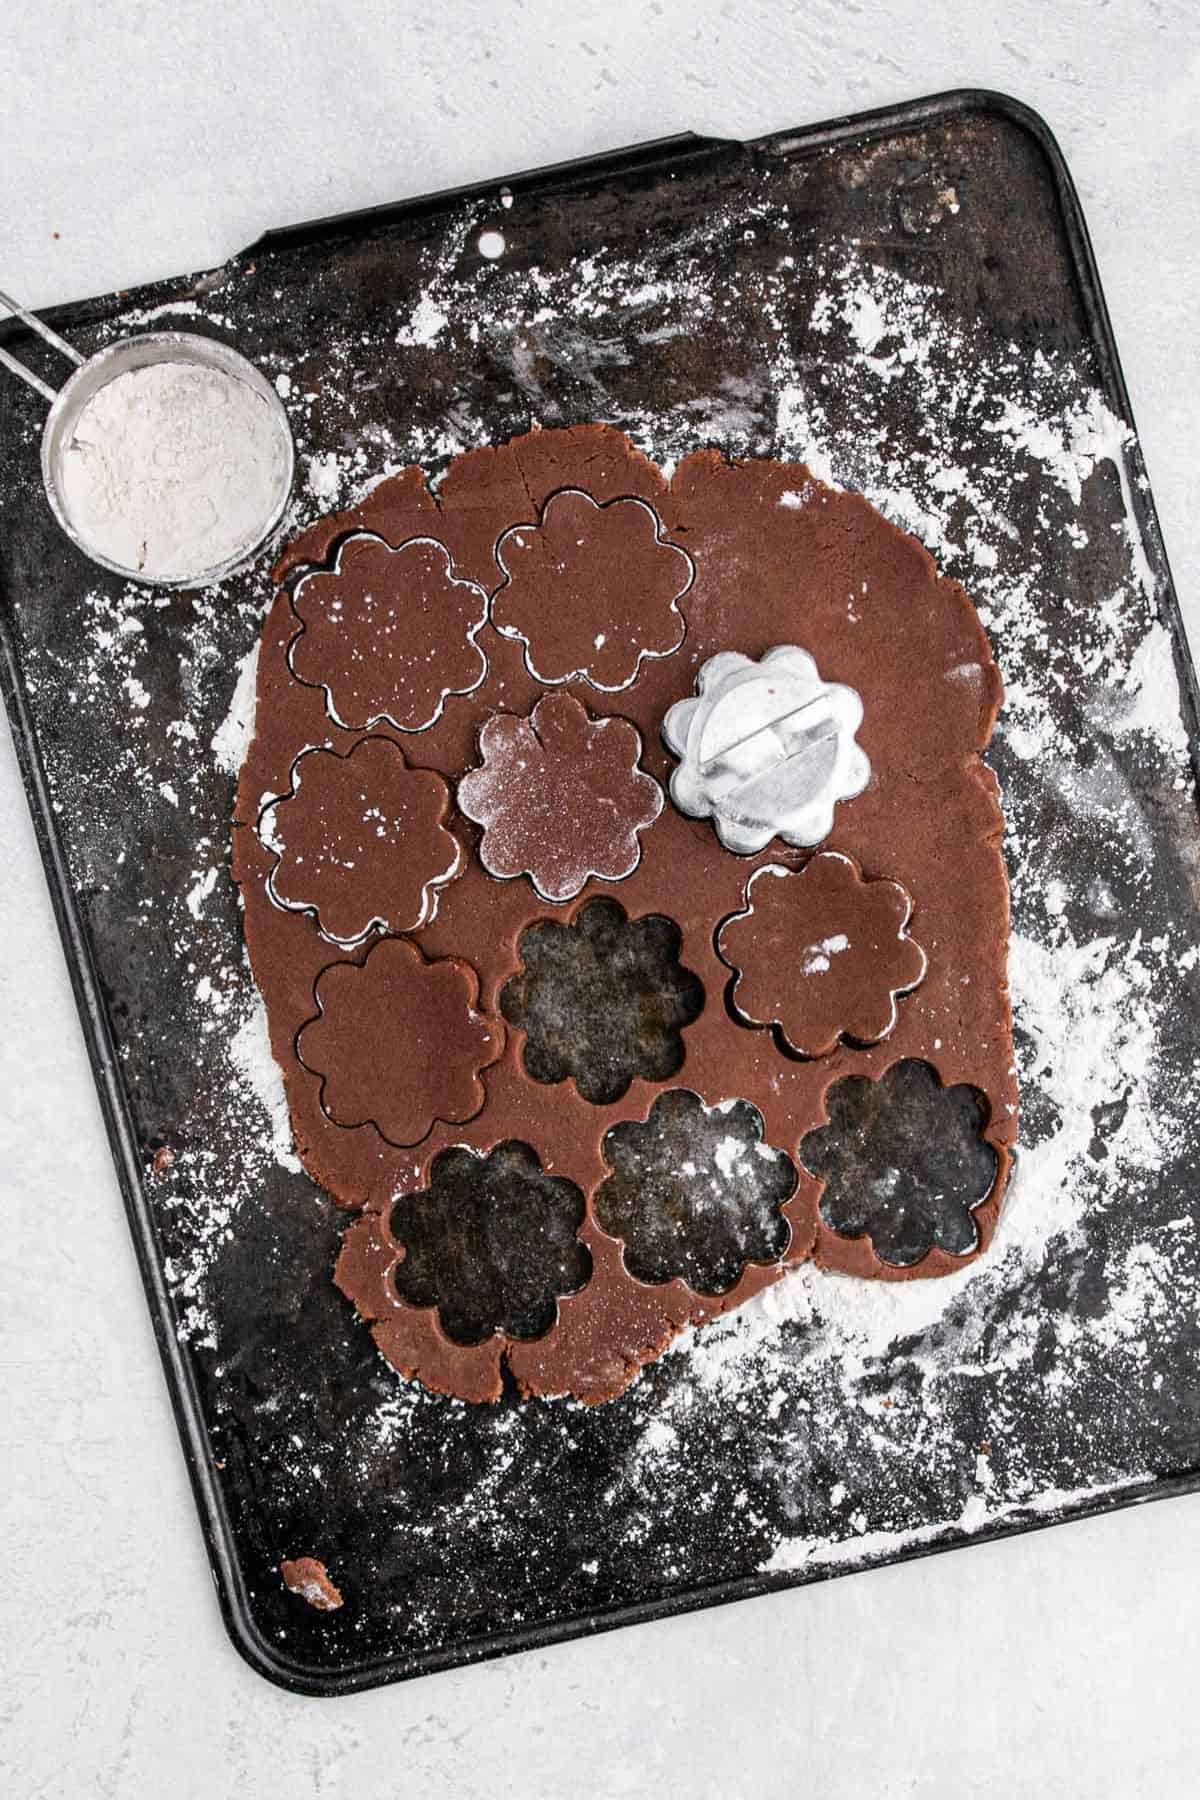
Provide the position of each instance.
(904, 1162)
(491, 1242)
(360, 841)
(398, 1042)
(695, 1192)
(389, 634)
(591, 589)
(561, 797)
(820, 953)
(602, 999)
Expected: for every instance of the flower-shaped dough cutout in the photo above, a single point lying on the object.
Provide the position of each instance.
(695, 1192)
(388, 633)
(491, 1242)
(398, 1042)
(591, 589)
(904, 1162)
(560, 796)
(766, 749)
(821, 953)
(602, 999)
(361, 841)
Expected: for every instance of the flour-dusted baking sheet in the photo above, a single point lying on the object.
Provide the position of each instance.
(907, 301)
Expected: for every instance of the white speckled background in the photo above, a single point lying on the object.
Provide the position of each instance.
(147, 142)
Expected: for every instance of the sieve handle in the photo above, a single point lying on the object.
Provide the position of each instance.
(35, 324)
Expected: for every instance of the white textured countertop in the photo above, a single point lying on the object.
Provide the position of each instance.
(142, 141)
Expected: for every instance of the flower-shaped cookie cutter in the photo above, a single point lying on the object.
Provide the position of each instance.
(766, 749)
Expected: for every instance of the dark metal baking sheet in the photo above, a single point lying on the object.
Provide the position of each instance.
(468, 1532)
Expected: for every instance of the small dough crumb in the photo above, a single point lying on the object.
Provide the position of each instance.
(305, 1576)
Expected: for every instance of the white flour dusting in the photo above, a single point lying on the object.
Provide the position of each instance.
(250, 1048)
(816, 959)
(872, 1546)
(173, 469)
(231, 740)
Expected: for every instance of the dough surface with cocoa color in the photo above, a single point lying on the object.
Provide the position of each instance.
(821, 953)
(763, 555)
(361, 840)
